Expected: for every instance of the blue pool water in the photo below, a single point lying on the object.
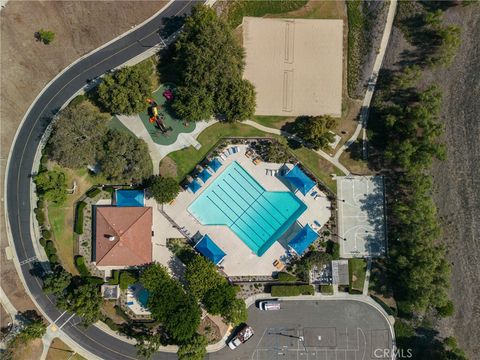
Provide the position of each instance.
(130, 198)
(142, 297)
(257, 216)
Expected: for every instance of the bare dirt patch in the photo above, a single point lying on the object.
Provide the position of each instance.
(5, 317)
(168, 167)
(108, 309)
(27, 66)
(60, 351)
(28, 351)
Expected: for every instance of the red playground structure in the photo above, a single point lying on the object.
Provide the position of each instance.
(155, 117)
(168, 94)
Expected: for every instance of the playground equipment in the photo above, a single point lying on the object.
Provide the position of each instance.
(155, 117)
(168, 94)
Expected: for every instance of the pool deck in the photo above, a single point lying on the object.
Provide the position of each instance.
(240, 260)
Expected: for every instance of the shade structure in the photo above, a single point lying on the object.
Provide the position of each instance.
(300, 180)
(215, 164)
(194, 186)
(204, 175)
(210, 250)
(130, 197)
(302, 240)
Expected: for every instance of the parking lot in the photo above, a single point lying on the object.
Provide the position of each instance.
(314, 330)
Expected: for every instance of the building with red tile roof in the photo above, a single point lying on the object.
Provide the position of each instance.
(123, 236)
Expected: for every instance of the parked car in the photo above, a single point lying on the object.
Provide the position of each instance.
(269, 305)
(245, 333)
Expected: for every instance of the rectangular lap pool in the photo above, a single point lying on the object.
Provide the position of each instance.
(237, 200)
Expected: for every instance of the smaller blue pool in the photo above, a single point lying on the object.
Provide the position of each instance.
(130, 198)
(142, 297)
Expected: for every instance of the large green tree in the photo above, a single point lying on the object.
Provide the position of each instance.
(178, 311)
(195, 349)
(57, 281)
(201, 275)
(209, 61)
(163, 189)
(126, 90)
(316, 130)
(125, 158)
(77, 135)
(52, 185)
(85, 301)
(148, 344)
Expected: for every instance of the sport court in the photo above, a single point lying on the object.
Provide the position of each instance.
(257, 216)
(361, 216)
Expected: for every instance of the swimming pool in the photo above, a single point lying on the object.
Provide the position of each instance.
(142, 297)
(258, 217)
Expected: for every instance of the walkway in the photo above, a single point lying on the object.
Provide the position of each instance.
(323, 154)
(362, 124)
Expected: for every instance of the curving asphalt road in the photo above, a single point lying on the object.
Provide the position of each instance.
(18, 176)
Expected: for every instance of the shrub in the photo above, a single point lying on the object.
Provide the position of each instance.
(40, 215)
(46, 234)
(355, 292)
(292, 290)
(53, 258)
(111, 324)
(95, 280)
(283, 276)
(326, 289)
(93, 192)
(333, 248)
(50, 248)
(79, 218)
(40, 204)
(45, 36)
(446, 310)
(81, 267)
(42, 241)
(343, 288)
(121, 313)
(77, 100)
(114, 280)
(385, 307)
(126, 279)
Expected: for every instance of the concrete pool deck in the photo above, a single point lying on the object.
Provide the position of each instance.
(240, 260)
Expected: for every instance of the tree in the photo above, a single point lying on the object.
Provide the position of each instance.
(237, 312)
(210, 63)
(77, 135)
(125, 158)
(163, 189)
(56, 282)
(34, 330)
(201, 276)
(316, 130)
(219, 299)
(277, 152)
(194, 349)
(45, 36)
(85, 301)
(126, 91)
(52, 185)
(176, 310)
(148, 344)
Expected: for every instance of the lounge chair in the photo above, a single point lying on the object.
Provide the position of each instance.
(249, 153)
(256, 161)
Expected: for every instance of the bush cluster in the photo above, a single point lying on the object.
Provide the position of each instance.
(292, 290)
(79, 217)
(284, 277)
(81, 267)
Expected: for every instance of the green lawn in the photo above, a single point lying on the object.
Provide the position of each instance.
(275, 122)
(357, 269)
(238, 9)
(187, 158)
(319, 167)
(61, 217)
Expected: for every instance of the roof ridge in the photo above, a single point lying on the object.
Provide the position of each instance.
(113, 228)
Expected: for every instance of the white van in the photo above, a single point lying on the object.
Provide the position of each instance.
(269, 305)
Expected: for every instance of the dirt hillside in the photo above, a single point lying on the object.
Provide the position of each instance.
(27, 65)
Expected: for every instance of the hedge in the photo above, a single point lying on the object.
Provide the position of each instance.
(79, 218)
(326, 289)
(292, 290)
(93, 192)
(126, 279)
(81, 267)
(283, 276)
(114, 280)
